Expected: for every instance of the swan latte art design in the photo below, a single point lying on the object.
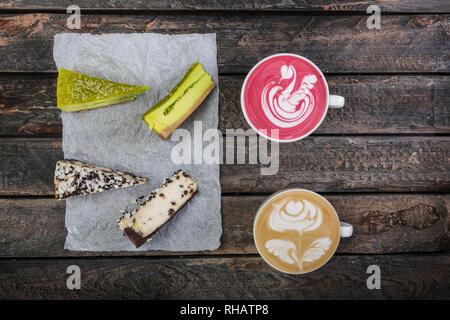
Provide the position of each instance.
(297, 231)
(284, 97)
(290, 106)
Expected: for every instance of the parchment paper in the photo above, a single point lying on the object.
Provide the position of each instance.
(115, 137)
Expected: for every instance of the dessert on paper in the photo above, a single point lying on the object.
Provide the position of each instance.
(80, 92)
(116, 137)
(165, 116)
(76, 178)
(156, 209)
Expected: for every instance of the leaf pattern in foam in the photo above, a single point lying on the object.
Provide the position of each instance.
(282, 249)
(316, 249)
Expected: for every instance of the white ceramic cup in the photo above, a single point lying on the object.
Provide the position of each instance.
(332, 101)
(346, 229)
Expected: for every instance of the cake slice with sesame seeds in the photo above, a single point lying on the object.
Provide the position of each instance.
(75, 178)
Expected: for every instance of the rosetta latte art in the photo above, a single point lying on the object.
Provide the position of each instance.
(301, 216)
(290, 106)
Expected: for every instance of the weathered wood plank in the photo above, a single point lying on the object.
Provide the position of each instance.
(28, 105)
(374, 104)
(18, 170)
(402, 277)
(385, 223)
(174, 5)
(323, 164)
(341, 164)
(405, 43)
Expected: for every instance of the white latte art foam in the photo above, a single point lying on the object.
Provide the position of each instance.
(302, 216)
(286, 107)
(281, 249)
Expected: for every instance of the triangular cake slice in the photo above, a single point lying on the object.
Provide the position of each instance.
(80, 92)
(75, 178)
(165, 116)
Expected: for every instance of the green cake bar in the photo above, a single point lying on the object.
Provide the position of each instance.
(165, 116)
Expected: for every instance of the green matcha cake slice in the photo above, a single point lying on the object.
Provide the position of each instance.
(80, 92)
(165, 116)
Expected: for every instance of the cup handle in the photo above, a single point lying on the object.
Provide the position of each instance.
(336, 102)
(346, 230)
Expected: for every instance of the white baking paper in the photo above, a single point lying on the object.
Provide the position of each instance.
(116, 137)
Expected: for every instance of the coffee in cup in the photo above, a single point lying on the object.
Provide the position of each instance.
(297, 231)
(285, 97)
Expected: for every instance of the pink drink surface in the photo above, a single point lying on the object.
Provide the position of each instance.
(287, 93)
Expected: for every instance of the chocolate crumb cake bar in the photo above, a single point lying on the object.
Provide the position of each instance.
(74, 178)
(156, 209)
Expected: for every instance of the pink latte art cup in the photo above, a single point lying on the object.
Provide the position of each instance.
(285, 97)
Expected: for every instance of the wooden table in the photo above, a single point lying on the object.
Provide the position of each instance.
(382, 161)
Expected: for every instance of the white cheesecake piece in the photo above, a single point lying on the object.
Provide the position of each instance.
(74, 178)
(153, 211)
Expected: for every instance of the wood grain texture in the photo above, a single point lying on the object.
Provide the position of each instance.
(349, 164)
(385, 223)
(247, 5)
(405, 43)
(374, 105)
(322, 164)
(343, 277)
